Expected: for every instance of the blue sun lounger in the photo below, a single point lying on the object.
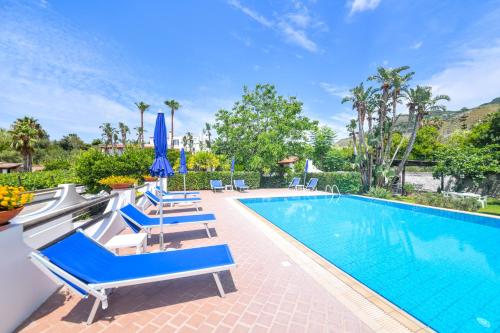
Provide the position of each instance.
(239, 184)
(294, 183)
(313, 182)
(88, 268)
(138, 221)
(216, 185)
(174, 193)
(171, 201)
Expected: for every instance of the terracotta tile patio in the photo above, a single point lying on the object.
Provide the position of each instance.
(267, 292)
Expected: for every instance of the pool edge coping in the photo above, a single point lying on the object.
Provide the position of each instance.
(377, 312)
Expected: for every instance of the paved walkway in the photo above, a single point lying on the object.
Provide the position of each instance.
(267, 292)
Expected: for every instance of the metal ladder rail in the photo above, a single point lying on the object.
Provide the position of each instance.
(332, 187)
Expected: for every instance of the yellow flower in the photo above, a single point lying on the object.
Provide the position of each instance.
(4, 203)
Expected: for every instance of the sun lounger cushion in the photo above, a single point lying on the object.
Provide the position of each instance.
(155, 200)
(130, 212)
(91, 263)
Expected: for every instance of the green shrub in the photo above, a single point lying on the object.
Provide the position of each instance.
(57, 164)
(93, 165)
(379, 192)
(347, 181)
(438, 200)
(275, 181)
(201, 180)
(408, 188)
(41, 179)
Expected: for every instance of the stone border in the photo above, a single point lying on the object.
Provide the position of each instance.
(374, 310)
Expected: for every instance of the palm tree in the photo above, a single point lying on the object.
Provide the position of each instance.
(107, 135)
(351, 128)
(190, 141)
(207, 131)
(420, 103)
(174, 106)
(124, 130)
(142, 108)
(360, 99)
(26, 133)
(399, 84)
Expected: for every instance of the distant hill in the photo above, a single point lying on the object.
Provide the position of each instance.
(451, 120)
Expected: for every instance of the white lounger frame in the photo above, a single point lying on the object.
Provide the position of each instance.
(98, 290)
(148, 228)
(171, 204)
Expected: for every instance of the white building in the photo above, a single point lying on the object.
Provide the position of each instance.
(199, 142)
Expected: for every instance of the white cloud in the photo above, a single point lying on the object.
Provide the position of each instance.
(57, 75)
(362, 5)
(292, 26)
(251, 13)
(416, 45)
(473, 80)
(297, 37)
(333, 90)
(302, 20)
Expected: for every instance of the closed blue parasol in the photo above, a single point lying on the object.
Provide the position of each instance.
(305, 171)
(232, 170)
(183, 168)
(161, 167)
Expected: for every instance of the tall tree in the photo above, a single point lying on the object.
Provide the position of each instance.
(399, 84)
(71, 142)
(142, 108)
(174, 106)
(124, 130)
(322, 142)
(208, 132)
(360, 99)
(351, 128)
(420, 102)
(262, 128)
(26, 133)
(190, 141)
(107, 135)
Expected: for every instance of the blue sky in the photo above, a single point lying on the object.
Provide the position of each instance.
(76, 64)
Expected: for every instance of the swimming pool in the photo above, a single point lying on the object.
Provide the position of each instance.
(442, 267)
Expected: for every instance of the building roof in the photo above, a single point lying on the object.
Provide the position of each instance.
(289, 160)
(9, 165)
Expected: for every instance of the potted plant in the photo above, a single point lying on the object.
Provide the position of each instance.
(118, 182)
(148, 178)
(12, 201)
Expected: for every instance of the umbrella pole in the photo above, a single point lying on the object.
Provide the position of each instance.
(161, 215)
(184, 178)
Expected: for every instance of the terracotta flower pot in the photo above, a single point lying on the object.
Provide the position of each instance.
(149, 179)
(7, 215)
(121, 186)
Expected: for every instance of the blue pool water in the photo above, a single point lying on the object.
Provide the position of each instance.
(442, 267)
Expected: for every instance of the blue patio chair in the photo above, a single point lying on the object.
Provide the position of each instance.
(138, 221)
(294, 183)
(171, 201)
(239, 184)
(216, 185)
(88, 268)
(313, 182)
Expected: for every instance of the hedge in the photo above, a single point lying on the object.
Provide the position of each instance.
(347, 181)
(40, 179)
(201, 180)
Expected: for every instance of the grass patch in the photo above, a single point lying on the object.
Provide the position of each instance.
(493, 207)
